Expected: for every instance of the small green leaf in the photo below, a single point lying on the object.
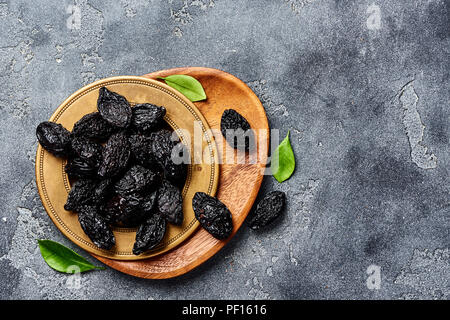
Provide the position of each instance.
(187, 85)
(63, 259)
(283, 160)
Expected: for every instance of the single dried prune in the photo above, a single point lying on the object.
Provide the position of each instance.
(136, 179)
(80, 168)
(236, 130)
(141, 150)
(149, 234)
(87, 191)
(96, 228)
(268, 209)
(93, 126)
(162, 145)
(114, 108)
(54, 138)
(170, 203)
(130, 210)
(87, 150)
(213, 215)
(101, 191)
(80, 194)
(147, 117)
(175, 168)
(115, 155)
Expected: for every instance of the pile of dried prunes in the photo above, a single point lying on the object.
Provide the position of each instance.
(120, 164)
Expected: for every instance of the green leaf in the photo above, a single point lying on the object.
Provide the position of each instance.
(63, 259)
(187, 85)
(283, 160)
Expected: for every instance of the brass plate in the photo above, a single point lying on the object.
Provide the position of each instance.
(53, 183)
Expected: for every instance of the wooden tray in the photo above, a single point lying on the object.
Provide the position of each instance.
(238, 183)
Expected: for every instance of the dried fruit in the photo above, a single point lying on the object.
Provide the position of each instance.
(236, 130)
(114, 108)
(87, 150)
(96, 228)
(141, 150)
(80, 168)
(213, 215)
(93, 126)
(147, 117)
(115, 155)
(54, 138)
(136, 179)
(87, 192)
(175, 168)
(149, 234)
(129, 210)
(170, 203)
(80, 194)
(268, 209)
(162, 145)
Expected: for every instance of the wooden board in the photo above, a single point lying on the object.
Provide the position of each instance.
(238, 183)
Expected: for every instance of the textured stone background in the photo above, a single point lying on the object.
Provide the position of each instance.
(362, 85)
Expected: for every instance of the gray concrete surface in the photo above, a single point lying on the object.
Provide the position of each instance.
(362, 85)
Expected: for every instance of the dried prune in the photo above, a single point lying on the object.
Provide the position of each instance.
(80, 168)
(54, 138)
(147, 117)
(93, 126)
(175, 168)
(96, 228)
(268, 209)
(136, 179)
(213, 215)
(236, 130)
(141, 150)
(131, 209)
(80, 194)
(115, 155)
(149, 234)
(87, 191)
(170, 203)
(87, 150)
(162, 145)
(114, 108)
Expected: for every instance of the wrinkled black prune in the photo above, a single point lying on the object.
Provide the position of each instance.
(236, 130)
(87, 191)
(147, 117)
(213, 215)
(136, 179)
(80, 194)
(130, 210)
(170, 203)
(54, 138)
(141, 150)
(114, 108)
(93, 126)
(268, 209)
(175, 167)
(149, 234)
(96, 228)
(115, 155)
(162, 144)
(87, 150)
(80, 168)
